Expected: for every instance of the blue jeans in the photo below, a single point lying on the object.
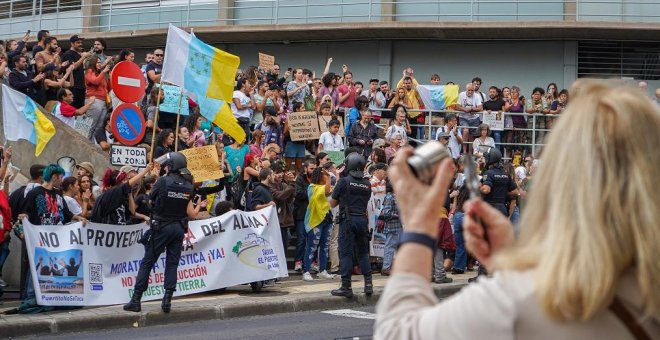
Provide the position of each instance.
(514, 220)
(391, 241)
(317, 238)
(301, 240)
(4, 253)
(460, 260)
(354, 233)
(497, 137)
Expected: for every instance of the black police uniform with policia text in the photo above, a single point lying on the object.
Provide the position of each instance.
(353, 193)
(170, 196)
(500, 183)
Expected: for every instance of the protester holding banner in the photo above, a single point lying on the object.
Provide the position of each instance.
(44, 205)
(173, 205)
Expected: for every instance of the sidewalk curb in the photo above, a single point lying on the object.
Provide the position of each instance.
(187, 311)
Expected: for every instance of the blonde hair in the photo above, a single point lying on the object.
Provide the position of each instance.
(594, 210)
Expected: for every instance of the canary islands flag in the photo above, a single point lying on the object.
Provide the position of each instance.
(206, 73)
(22, 119)
(318, 206)
(438, 97)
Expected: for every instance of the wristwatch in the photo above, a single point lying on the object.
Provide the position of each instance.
(419, 238)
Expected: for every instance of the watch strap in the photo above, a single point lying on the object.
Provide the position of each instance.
(419, 238)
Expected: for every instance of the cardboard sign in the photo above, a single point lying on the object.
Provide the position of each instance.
(84, 125)
(128, 155)
(266, 62)
(336, 157)
(495, 120)
(203, 163)
(323, 124)
(303, 126)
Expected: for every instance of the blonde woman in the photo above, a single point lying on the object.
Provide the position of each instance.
(587, 253)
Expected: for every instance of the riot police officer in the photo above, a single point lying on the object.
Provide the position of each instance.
(171, 198)
(496, 185)
(352, 194)
(496, 188)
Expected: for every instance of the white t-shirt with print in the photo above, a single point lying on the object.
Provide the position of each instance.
(331, 142)
(472, 102)
(245, 101)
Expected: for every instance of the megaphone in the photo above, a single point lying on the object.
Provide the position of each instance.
(68, 164)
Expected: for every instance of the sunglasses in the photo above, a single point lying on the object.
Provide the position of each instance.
(158, 55)
(327, 101)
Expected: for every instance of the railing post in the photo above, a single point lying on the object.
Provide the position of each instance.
(534, 135)
(110, 17)
(188, 15)
(41, 12)
(277, 11)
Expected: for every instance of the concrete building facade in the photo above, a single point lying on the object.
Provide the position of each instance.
(510, 42)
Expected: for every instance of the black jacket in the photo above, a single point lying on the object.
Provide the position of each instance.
(24, 84)
(301, 200)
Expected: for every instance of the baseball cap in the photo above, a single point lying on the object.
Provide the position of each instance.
(444, 135)
(75, 38)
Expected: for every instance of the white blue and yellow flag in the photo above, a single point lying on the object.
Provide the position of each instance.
(438, 97)
(206, 73)
(22, 119)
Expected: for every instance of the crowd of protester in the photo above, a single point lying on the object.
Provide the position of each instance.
(268, 168)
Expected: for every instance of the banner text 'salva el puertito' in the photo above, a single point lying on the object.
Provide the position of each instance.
(98, 264)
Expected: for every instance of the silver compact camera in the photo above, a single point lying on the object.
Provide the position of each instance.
(426, 159)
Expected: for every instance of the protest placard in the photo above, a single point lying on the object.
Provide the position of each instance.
(323, 124)
(495, 120)
(303, 126)
(97, 264)
(83, 125)
(121, 155)
(170, 102)
(336, 157)
(203, 163)
(266, 62)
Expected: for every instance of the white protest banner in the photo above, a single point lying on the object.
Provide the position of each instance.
(203, 163)
(303, 126)
(325, 120)
(83, 125)
(495, 120)
(128, 155)
(98, 264)
(266, 61)
(377, 243)
(170, 101)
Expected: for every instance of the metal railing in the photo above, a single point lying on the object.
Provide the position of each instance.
(534, 146)
(125, 16)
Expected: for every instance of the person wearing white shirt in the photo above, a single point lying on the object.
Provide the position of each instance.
(242, 104)
(331, 140)
(479, 145)
(470, 105)
(455, 138)
(399, 125)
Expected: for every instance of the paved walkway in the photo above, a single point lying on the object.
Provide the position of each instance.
(292, 295)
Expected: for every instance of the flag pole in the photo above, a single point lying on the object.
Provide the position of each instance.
(153, 133)
(178, 118)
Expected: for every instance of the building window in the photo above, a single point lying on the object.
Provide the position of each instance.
(26, 8)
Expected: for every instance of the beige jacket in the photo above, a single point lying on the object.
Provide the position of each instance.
(502, 307)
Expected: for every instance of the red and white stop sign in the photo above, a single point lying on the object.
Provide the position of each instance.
(127, 82)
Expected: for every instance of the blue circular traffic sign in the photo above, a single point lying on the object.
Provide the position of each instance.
(127, 123)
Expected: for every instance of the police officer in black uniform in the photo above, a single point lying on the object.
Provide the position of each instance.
(497, 187)
(352, 194)
(171, 198)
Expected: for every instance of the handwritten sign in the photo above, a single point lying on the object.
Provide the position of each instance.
(266, 62)
(170, 101)
(495, 120)
(203, 163)
(128, 155)
(303, 125)
(325, 120)
(83, 125)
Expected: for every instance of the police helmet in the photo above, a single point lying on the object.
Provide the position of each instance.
(493, 157)
(176, 161)
(355, 164)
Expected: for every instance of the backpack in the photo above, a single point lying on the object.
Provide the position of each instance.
(310, 103)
